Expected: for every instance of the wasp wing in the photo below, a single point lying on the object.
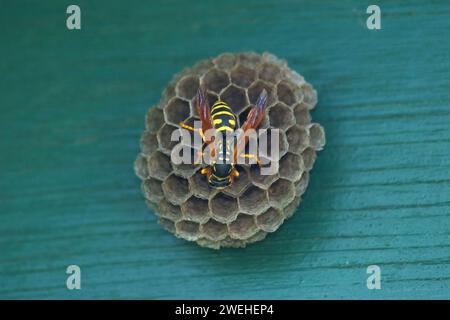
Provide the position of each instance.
(203, 111)
(254, 118)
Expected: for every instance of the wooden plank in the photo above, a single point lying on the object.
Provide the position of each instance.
(72, 111)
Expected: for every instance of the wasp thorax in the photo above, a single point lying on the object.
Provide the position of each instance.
(246, 205)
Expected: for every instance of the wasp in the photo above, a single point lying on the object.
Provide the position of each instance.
(221, 172)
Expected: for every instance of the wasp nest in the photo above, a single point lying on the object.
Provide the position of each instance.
(254, 205)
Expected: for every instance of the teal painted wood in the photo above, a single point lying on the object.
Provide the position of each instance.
(72, 111)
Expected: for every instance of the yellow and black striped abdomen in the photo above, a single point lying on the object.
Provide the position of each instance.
(222, 117)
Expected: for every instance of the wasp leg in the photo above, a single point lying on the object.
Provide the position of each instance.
(206, 171)
(252, 156)
(199, 157)
(188, 127)
(233, 174)
(185, 126)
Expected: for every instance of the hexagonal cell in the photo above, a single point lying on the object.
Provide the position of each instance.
(250, 60)
(202, 66)
(183, 153)
(253, 201)
(167, 224)
(285, 93)
(316, 136)
(294, 77)
(215, 80)
(309, 95)
(159, 166)
(271, 58)
(290, 209)
(255, 90)
(284, 146)
(225, 61)
(228, 242)
(239, 184)
(265, 147)
(258, 236)
(141, 166)
(188, 230)
(164, 138)
(269, 72)
(154, 120)
(211, 98)
(281, 116)
(168, 93)
(207, 243)
(291, 167)
(214, 230)
(151, 205)
(152, 190)
(298, 139)
(189, 162)
(243, 227)
(199, 186)
(301, 114)
(169, 211)
(185, 170)
(223, 208)
(235, 97)
(298, 93)
(177, 111)
(195, 209)
(281, 192)
(302, 184)
(148, 142)
(187, 87)
(176, 189)
(270, 220)
(309, 157)
(243, 76)
(262, 181)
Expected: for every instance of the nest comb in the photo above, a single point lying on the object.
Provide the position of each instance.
(254, 205)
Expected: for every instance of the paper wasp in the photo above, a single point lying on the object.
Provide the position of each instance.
(221, 172)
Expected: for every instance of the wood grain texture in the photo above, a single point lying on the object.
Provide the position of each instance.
(72, 111)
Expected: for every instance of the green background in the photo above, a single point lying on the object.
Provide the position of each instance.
(72, 111)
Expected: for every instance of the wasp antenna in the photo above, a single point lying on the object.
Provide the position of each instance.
(262, 99)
